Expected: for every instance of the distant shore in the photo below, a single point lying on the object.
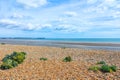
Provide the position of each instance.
(85, 45)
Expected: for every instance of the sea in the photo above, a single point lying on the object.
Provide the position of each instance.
(86, 43)
(100, 40)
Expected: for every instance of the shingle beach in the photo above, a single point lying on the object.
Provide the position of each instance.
(54, 68)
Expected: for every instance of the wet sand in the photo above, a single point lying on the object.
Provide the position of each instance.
(54, 69)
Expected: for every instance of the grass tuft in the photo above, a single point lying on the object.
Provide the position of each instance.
(67, 59)
(44, 59)
(104, 67)
(94, 68)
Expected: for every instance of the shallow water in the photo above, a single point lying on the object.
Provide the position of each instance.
(69, 44)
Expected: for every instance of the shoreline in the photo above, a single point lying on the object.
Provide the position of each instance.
(83, 45)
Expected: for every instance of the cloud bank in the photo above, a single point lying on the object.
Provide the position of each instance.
(83, 17)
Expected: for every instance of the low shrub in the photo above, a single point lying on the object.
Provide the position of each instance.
(114, 68)
(5, 66)
(67, 59)
(106, 68)
(10, 61)
(94, 68)
(44, 59)
(18, 56)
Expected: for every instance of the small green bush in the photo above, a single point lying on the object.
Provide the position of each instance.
(10, 61)
(106, 68)
(101, 62)
(94, 68)
(14, 63)
(5, 66)
(6, 58)
(44, 59)
(18, 56)
(67, 59)
(114, 68)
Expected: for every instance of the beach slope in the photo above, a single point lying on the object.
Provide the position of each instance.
(54, 68)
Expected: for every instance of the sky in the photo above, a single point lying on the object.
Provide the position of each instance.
(60, 18)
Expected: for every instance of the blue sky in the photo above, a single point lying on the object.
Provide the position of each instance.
(60, 18)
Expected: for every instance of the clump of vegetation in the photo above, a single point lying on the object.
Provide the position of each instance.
(2, 43)
(104, 67)
(10, 61)
(94, 68)
(6, 66)
(67, 59)
(107, 68)
(101, 62)
(44, 59)
(114, 68)
(18, 56)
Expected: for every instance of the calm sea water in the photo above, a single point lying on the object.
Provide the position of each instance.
(114, 40)
(56, 42)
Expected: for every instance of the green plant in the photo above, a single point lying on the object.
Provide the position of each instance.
(67, 59)
(44, 59)
(101, 62)
(106, 68)
(18, 56)
(114, 68)
(6, 58)
(5, 66)
(94, 68)
(14, 63)
(10, 61)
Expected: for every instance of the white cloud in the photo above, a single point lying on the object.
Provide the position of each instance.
(7, 21)
(116, 14)
(47, 25)
(33, 3)
(91, 1)
(70, 13)
(16, 25)
(17, 15)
